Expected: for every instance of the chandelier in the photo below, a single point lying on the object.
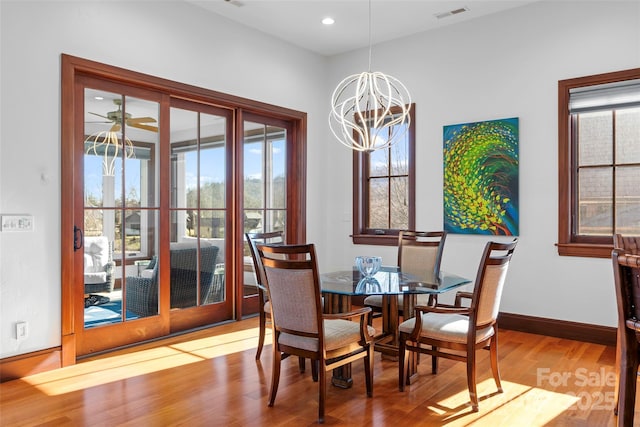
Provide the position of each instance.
(370, 110)
(110, 147)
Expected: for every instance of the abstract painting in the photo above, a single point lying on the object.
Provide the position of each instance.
(481, 177)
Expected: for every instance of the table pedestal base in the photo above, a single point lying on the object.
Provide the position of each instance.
(342, 377)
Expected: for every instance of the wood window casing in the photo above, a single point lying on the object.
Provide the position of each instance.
(570, 243)
(362, 232)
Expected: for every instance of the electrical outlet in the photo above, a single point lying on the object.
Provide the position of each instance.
(22, 330)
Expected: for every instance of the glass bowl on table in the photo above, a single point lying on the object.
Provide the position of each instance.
(368, 266)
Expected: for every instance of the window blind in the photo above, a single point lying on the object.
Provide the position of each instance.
(608, 96)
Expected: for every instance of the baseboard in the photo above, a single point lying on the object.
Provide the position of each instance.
(15, 367)
(596, 334)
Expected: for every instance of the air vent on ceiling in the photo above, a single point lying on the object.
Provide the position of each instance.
(452, 12)
(235, 2)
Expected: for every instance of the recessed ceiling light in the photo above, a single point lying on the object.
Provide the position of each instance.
(98, 98)
(328, 21)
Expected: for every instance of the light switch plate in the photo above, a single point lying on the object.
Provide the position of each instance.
(17, 222)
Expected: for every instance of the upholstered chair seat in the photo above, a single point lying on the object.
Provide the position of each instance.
(446, 327)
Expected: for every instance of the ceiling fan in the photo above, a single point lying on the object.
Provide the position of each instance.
(116, 118)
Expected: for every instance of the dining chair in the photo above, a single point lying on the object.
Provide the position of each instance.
(273, 237)
(457, 332)
(419, 254)
(299, 325)
(625, 253)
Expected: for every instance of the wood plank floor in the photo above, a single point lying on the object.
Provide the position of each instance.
(210, 378)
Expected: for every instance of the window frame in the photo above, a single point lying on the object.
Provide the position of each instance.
(569, 243)
(385, 237)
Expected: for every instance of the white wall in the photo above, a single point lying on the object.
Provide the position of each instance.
(505, 65)
(494, 67)
(168, 39)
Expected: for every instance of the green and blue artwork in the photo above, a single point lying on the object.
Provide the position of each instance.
(481, 178)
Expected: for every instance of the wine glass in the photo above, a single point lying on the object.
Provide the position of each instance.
(368, 265)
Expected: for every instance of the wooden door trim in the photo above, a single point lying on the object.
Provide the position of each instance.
(73, 68)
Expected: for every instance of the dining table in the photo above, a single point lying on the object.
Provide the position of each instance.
(338, 287)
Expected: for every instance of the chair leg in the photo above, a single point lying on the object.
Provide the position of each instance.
(322, 379)
(403, 362)
(301, 365)
(433, 300)
(275, 375)
(262, 333)
(368, 370)
(471, 378)
(616, 388)
(628, 378)
(314, 370)
(434, 361)
(493, 351)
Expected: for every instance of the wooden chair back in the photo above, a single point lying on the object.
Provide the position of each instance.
(253, 239)
(626, 273)
(630, 244)
(420, 253)
(293, 285)
(490, 279)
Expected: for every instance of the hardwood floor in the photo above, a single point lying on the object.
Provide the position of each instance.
(210, 378)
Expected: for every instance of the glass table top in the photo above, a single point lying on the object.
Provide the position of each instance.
(389, 280)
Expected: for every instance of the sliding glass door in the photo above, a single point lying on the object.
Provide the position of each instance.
(160, 181)
(199, 221)
(129, 276)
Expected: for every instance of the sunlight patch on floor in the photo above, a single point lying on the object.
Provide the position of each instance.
(497, 409)
(132, 364)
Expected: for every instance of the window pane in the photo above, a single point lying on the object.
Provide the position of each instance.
(379, 163)
(184, 158)
(595, 188)
(595, 131)
(253, 221)
(277, 193)
(140, 284)
(132, 231)
(103, 147)
(265, 177)
(254, 143)
(141, 131)
(628, 136)
(277, 220)
(379, 203)
(628, 200)
(212, 161)
(400, 157)
(399, 203)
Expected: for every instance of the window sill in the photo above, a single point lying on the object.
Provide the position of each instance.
(371, 239)
(588, 250)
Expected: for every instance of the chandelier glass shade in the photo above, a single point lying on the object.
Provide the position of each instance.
(110, 147)
(369, 111)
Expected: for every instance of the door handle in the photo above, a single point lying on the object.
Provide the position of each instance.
(78, 238)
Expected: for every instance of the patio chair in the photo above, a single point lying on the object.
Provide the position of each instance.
(142, 292)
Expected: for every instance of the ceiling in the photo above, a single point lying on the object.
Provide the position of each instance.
(299, 21)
